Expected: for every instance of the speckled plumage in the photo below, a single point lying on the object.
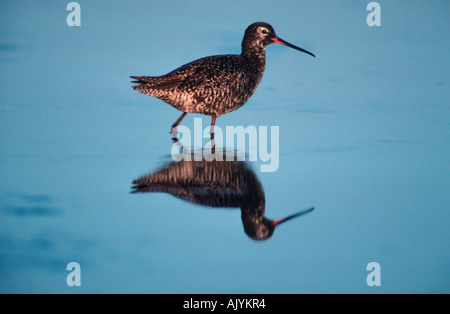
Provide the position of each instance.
(212, 85)
(215, 85)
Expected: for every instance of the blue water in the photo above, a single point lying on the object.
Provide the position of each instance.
(364, 137)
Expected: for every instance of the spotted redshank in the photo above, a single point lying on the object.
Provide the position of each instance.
(215, 85)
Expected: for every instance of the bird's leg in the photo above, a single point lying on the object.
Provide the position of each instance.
(213, 122)
(174, 135)
(213, 144)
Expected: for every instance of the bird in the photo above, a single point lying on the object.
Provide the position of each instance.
(215, 85)
(216, 183)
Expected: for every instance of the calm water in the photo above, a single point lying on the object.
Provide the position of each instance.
(363, 137)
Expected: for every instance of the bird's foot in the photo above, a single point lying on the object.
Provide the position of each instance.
(174, 134)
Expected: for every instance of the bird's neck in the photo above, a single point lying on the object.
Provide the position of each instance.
(256, 55)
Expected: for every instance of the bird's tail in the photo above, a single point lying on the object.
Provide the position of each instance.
(144, 84)
(147, 83)
(143, 79)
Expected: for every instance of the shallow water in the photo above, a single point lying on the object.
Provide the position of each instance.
(363, 137)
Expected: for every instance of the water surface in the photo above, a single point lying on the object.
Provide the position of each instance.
(364, 137)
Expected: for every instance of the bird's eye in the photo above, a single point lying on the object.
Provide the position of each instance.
(264, 31)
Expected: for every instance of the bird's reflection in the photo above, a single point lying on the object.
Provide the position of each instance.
(216, 184)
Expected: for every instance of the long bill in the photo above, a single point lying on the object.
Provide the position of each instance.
(278, 40)
(280, 221)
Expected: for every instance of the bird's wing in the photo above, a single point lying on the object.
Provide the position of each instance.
(215, 72)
